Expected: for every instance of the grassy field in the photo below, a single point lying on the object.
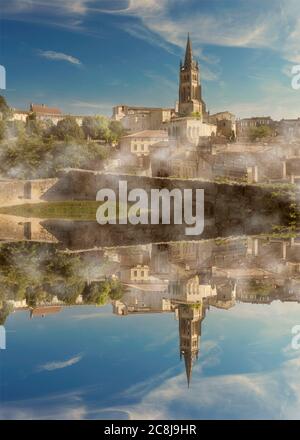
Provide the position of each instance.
(69, 210)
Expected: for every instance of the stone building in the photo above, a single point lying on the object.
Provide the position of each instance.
(289, 128)
(192, 120)
(190, 94)
(19, 115)
(187, 130)
(142, 118)
(139, 143)
(226, 124)
(43, 113)
(136, 147)
(243, 126)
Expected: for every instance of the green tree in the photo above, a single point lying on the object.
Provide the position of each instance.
(260, 132)
(91, 127)
(103, 126)
(117, 130)
(2, 130)
(68, 129)
(37, 272)
(116, 290)
(5, 311)
(4, 108)
(34, 126)
(97, 293)
(26, 158)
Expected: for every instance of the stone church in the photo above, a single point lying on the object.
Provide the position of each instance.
(190, 93)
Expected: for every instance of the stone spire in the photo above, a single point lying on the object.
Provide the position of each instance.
(189, 358)
(190, 100)
(190, 318)
(188, 52)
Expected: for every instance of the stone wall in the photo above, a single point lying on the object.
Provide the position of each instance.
(16, 192)
(229, 209)
(11, 192)
(22, 228)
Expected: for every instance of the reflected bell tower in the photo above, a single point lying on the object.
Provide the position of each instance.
(190, 318)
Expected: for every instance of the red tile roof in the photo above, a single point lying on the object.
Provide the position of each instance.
(46, 310)
(43, 109)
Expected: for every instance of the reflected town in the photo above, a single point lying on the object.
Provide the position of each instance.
(186, 279)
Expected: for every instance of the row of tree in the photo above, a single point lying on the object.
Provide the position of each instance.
(38, 149)
(37, 272)
(93, 127)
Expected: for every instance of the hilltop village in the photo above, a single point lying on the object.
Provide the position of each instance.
(147, 273)
(185, 142)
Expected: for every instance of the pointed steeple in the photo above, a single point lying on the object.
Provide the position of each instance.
(188, 52)
(188, 366)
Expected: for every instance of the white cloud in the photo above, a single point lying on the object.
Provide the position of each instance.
(208, 74)
(252, 25)
(91, 316)
(59, 56)
(276, 99)
(93, 105)
(241, 24)
(79, 7)
(58, 365)
(237, 396)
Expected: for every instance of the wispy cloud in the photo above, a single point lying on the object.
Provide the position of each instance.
(161, 80)
(59, 56)
(239, 24)
(236, 396)
(249, 25)
(92, 105)
(78, 7)
(58, 365)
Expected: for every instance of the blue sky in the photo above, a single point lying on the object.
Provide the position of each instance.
(85, 56)
(87, 363)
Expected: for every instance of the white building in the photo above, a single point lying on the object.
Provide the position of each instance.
(190, 129)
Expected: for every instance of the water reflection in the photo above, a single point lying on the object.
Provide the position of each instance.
(186, 279)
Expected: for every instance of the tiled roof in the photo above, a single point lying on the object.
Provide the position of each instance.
(43, 109)
(42, 311)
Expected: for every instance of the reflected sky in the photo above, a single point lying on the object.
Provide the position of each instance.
(86, 362)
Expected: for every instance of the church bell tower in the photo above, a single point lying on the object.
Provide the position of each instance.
(190, 99)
